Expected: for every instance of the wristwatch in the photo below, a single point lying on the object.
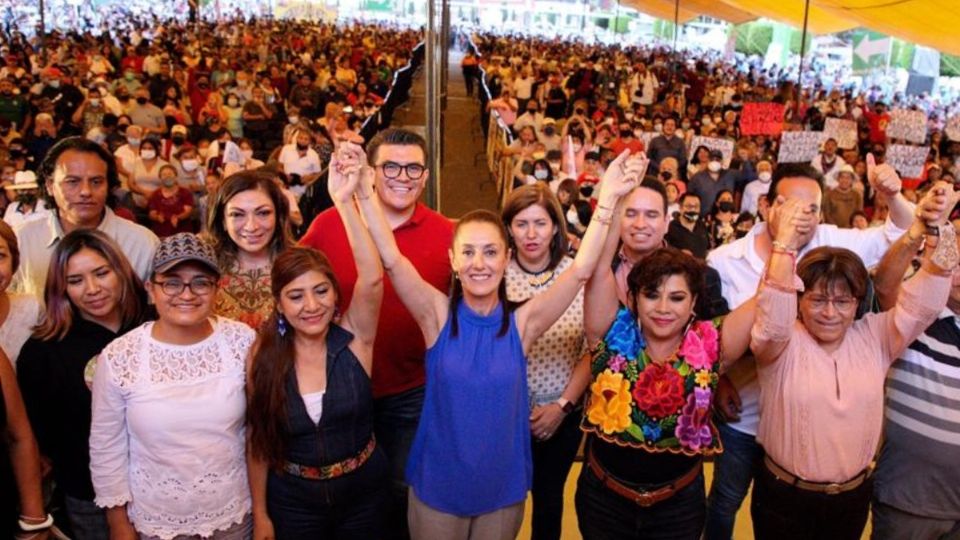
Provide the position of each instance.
(565, 405)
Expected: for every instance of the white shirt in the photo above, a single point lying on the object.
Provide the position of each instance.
(830, 175)
(741, 268)
(294, 163)
(127, 156)
(751, 193)
(167, 434)
(38, 238)
(14, 217)
(24, 315)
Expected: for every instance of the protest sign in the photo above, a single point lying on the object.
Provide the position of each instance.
(953, 128)
(907, 160)
(725, 146)
(843, 131)
(800, 146)
(761, 119)
(908, 125)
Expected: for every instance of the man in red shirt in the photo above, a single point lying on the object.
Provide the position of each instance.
(424, 237)
(877, 120)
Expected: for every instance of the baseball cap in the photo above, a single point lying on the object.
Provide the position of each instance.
(184, 247)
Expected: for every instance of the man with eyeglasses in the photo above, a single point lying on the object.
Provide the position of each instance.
(741, 264)
(399, 159)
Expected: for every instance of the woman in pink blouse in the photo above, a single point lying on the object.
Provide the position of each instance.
(821, 375)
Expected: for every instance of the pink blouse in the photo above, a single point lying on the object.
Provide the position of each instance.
(821, 413)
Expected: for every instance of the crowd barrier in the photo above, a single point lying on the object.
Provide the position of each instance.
(316, 199)
(498, 137)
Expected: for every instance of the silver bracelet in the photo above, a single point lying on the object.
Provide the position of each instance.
(30, 527)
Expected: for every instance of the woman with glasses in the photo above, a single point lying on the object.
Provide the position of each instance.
(167, 448)
(92, 296)
(822, 372)
(247, 223)
(316, 470)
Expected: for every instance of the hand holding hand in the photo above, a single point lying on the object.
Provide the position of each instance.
(343, 175)
(622, 175)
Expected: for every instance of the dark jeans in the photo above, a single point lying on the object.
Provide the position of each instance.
(552, 460)
(395, 420)
(87, 520)
(890, 523)
(604, 515)
(784, 512)
(733, 470)
(343, 508)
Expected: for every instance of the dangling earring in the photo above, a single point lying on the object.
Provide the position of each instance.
(281, 325)
(693, 318)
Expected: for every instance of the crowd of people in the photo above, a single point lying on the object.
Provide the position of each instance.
(193, 355)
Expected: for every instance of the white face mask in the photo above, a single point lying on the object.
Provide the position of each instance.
(714, 166)
(190, 165)
(294, 119)
(540, 174)
(247, 154)
(148, 154)
(764, 176)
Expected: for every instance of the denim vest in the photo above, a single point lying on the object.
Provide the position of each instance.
(347, 421)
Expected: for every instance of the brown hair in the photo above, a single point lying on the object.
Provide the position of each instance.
(539, 193)
(237, 183)
(274, 358)
(649, 274)
(10, 237)
(456, 289)
(60, 311)
(832, 265)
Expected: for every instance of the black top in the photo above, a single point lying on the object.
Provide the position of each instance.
(697, 241)
(640, 468)
(57, 398)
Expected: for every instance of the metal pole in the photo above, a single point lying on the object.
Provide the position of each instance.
(43, 34)
(434, 70)
(676, 34)
(803, 52)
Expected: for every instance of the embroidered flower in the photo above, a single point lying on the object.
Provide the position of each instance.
(702, 378)
(617, 363)
(624, 337)
(700, 345)
(658, 391)
(610, 402)
(693, 426)
(651, 432)
(703, 397)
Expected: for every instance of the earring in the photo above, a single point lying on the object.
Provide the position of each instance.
(281, 325)
(693, 318)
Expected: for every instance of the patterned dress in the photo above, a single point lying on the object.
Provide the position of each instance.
(244, 295)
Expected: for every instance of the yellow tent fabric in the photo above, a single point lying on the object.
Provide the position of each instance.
(933, 23)
(661, 10)
(711, 8)
(821, 21)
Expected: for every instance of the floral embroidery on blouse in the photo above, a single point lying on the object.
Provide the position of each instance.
(637, 403)
(244, 295)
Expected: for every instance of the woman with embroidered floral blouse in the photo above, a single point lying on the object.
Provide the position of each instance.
(248, 225)
(649, 409)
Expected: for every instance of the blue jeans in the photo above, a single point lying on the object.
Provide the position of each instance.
(733, 471)
(604, 515)
(395, 421)
(87, 520)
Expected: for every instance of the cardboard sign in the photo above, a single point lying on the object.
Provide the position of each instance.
(908, 125)
(952, 129)
(844, 131)
(800, 146)
(761, 119)
(907, 160)
(725, 146)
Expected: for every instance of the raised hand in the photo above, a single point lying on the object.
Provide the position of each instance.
(623, 174)
(935, 207)
(343, 175)
(883, 177)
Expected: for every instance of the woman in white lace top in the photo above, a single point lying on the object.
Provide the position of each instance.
(167, 439)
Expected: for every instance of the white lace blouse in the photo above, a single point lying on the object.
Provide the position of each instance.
(24, 314)
(167, 436)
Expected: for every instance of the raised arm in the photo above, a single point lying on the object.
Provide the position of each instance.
(600, 301)
(884, 179)
(362, 315)
(427, 305)
(540, 312)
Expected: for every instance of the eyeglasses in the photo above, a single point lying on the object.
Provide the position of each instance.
(392, 170)
(175, 287)
(842, 303)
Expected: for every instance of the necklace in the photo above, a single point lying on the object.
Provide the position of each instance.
(537, 279)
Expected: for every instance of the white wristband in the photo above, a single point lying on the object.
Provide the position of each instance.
(30, 527)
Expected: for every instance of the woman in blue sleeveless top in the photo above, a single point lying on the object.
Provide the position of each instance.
(470, 466)
(315, 468)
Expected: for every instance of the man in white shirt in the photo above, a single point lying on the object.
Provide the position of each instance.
(756, 188)
(741, 265)
(77, 175)
(828, 163)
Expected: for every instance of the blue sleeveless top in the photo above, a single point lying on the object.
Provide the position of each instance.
(471, 453)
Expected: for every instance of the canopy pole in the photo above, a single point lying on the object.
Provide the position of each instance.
(803, 53)
(676, 34)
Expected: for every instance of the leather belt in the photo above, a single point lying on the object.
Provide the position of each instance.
(830, 488)
(642, 498)
(334, 470)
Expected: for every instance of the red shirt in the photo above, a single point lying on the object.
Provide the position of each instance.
(399, 350)
(878, 126)
(619, 145)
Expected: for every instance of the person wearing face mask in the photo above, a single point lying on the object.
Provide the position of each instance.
(145, 114)
(170, 206)
(531, 117)
(128, 153)
(145, 177)
(688, 232)
(756, 188)
(65, 96)
(26, 206)
(548, 135)
(667, 144)
(828, 163)
(233, 112)
(90, 113)
(708, 184)
(626, 140)
(298, 158)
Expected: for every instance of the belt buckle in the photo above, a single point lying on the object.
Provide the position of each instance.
(833, 489)
(644, 498)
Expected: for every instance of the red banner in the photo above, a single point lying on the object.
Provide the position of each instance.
(761, 119)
